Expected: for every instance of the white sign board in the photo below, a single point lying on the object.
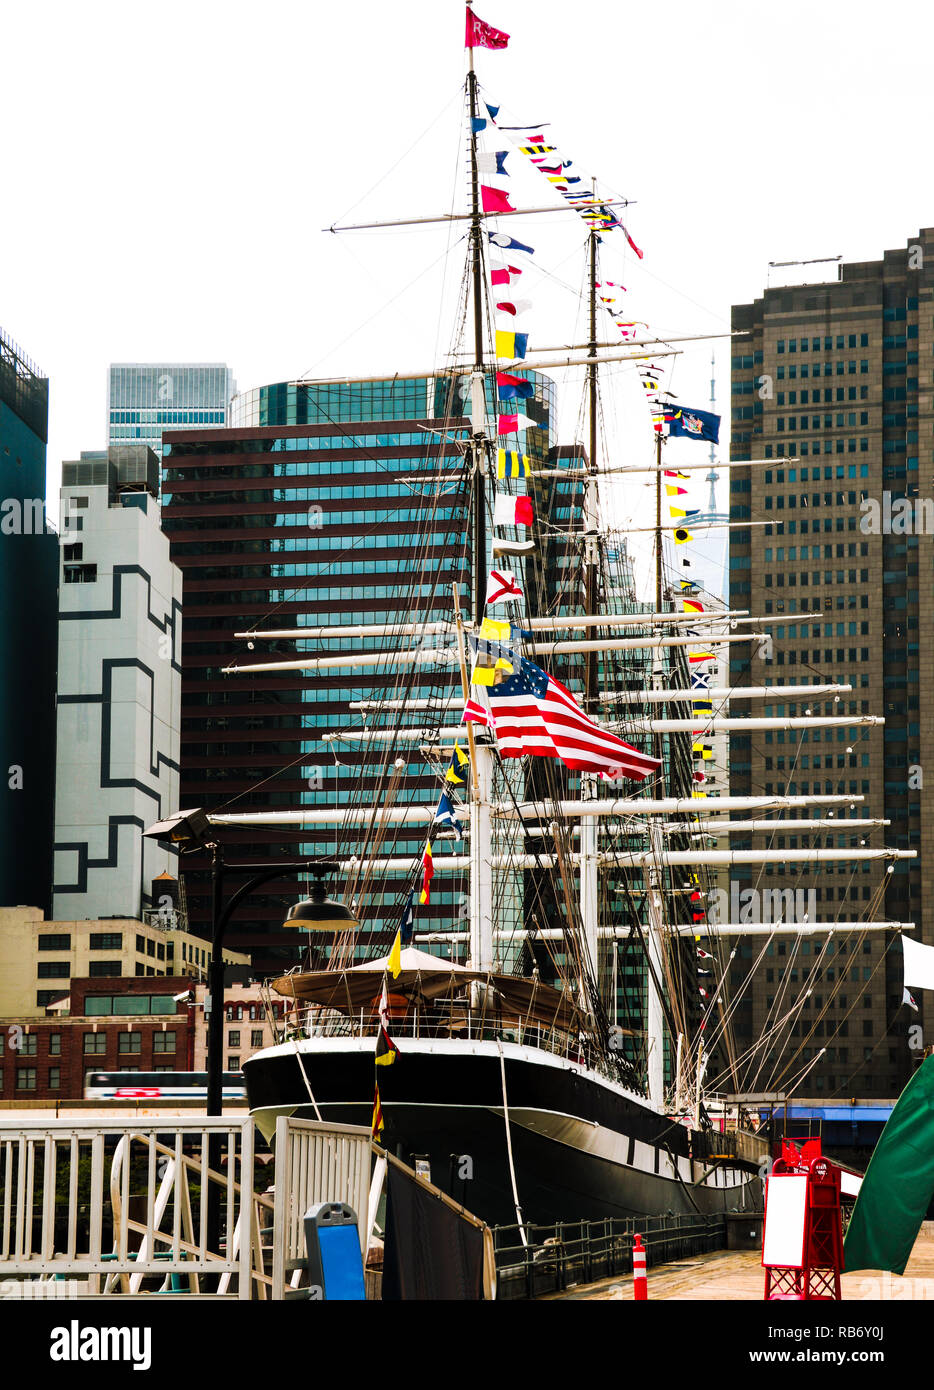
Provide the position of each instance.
(785, 1211)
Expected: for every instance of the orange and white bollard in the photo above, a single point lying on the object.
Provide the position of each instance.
(640, 1283)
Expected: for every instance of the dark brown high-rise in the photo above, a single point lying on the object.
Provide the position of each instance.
(833, 385)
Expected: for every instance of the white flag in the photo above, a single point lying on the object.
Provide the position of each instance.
(512, 511)
(919, 964)
(501, 547)
(907, 999)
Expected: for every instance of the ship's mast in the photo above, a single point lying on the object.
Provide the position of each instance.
(481, 880)
(653, 983)
(589, 871)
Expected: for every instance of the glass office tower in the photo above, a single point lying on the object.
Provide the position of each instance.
(146, 398)
(327, 505)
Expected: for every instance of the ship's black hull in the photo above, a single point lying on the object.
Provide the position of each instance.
(582, 1149)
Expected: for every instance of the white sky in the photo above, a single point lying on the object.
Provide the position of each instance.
(168, 170)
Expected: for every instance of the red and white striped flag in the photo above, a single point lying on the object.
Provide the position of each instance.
(537, 715)
(475, 713)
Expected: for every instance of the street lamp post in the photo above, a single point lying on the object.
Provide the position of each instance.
(317, 913)
(191, 830)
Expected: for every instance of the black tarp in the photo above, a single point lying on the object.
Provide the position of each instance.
(430, 1251)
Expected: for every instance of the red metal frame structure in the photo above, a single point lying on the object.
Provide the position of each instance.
(817, 1277)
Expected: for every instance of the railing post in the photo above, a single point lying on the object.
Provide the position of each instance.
(247, 1226)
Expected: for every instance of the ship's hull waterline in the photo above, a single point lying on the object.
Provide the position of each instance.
(582, 1147)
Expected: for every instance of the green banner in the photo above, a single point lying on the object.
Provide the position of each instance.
(899, 1182)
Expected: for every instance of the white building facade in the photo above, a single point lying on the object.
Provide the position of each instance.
(119, 686)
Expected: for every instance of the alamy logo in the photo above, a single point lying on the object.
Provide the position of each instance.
(77, 1343)
(903, 516)
(767, 905)
(22, 516)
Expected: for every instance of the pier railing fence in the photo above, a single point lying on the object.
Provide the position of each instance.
(582, 1252)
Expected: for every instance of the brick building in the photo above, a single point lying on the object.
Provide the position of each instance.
(115, 1024)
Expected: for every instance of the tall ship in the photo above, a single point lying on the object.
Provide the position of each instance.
(564, 1049)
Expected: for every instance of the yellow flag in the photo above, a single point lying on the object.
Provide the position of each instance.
(483, 675)
(681, 535)
(395, 955)
(498, 632)
(459, 761)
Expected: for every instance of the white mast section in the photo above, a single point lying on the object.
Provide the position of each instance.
(719, 692)
(715, 827)
(441, 657)
(639, 859)
(655, 1018)
(643, 726)
(481, 837)
(637, 697)
(530, 624)
(702, 724)
(700, 929)
(533, 811)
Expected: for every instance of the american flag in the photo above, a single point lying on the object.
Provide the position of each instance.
(536, 715)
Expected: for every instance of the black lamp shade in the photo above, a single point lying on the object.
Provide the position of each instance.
(319, 913)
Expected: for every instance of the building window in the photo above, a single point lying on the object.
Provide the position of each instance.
(53, 970)
(28, 1046)
(129, 1042)
(55, 1078)
(45, 997)
(80, 574)
(256, 1037)
(74, 552)
(150, 948)
(98, 969)
(55, 1044)
(55, 943)
(106, 941)
(233, 1063)
(233, 1037)
(163, 1042)
(96, 1043)
(25, 1078)
(141, 945)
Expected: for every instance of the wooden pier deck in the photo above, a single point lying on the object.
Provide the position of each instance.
(737, 1276)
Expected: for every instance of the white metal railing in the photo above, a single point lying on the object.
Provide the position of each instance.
(124, 1207)
(315, 1163)
(113, 1205)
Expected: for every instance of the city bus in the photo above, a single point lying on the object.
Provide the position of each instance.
(160, 1085)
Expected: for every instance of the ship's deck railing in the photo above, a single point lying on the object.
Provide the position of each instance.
(438, 1023)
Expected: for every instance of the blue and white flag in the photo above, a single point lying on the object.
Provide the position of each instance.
(694, 424)
(445, 816)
